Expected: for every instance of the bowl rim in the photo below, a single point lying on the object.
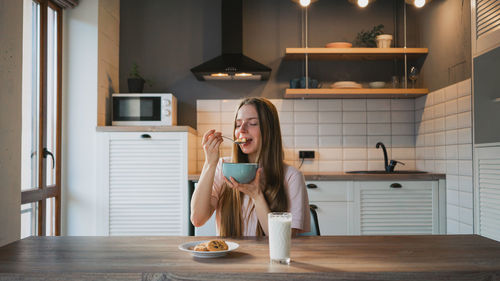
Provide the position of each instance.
(229, 163)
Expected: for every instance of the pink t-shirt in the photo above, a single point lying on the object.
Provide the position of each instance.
(298, 201)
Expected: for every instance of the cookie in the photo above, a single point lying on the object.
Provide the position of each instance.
(217, 245)
(202, 247)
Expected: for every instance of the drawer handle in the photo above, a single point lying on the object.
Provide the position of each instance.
(312, 185)
(396, 185)
(146, 136)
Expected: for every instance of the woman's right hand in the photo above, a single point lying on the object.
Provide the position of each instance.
(211, 143)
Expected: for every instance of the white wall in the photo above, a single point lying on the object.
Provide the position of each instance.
(79, 119)
(11, 32)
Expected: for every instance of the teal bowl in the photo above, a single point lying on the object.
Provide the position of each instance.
(241, 172)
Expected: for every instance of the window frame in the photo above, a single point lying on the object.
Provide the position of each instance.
(44, 191)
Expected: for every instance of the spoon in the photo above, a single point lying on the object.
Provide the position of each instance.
(237, 141)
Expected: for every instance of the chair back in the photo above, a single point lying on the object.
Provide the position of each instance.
(314, 222)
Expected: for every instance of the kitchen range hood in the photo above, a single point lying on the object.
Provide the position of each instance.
(231, 64)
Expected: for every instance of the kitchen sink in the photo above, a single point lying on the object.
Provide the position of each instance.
(384, 172)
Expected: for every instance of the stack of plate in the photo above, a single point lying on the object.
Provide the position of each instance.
(338, 45)
(346, 85)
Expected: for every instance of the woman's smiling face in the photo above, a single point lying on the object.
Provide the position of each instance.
(248, 126)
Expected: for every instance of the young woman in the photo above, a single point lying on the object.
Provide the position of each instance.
(241, 209)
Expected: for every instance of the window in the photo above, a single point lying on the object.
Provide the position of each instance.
(41, 148)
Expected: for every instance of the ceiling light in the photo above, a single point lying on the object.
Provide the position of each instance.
(305, 3)
(362, 3)
(419, 3)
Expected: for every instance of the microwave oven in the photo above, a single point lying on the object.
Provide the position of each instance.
(143, 109)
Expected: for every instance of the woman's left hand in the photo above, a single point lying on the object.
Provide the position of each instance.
(252, 189)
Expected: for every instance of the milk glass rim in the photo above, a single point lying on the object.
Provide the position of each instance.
(280, 214)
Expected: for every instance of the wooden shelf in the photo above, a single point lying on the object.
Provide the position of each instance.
(329, 93)
(355, 53)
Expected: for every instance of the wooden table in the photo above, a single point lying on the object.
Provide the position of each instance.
(430, 257)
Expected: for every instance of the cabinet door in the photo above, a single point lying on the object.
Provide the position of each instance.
(396, 208)
(146, 183)
(333, 217)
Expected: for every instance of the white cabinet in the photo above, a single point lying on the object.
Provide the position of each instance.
(142, 181)
(333, 200)
(399, 207)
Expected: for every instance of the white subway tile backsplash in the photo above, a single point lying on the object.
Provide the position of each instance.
(440, 138)
(307, 165)
(230, 105)
(378, 117)
(375, 165)
(465, 167)
(403, 141)
(439, 124)
(452, 167)
(403, 153)
(439, 110)
(354, 141)
(378, 129)
(330, 141)
(420, 102)
(429, 139)
(465, 183)
(464, 120)
(354, 105)
(283, 105)
(330, 105)
(420, 140)
(355, 165)
(354, 130)
(355, 153)
(372, 140)
(419, 115)
(420, 153)
(440, 152)
(330, 154)
(227, 129)
(290, 154)
(203, 128)
(402, 104)
(438, 96)
(429, 165)
(440, 166)
(451, 122)
(376, 154)
(288, 141)
(378, 105)
(330, 117)
(287, 129)
(428, 113)
(452, 151)
(451, 137)
(330, 129)
(285, 117)
(451, 107)
(330, 166)
(465, 151)
(354, 117)
(227, 117)
(305, 117)
(405, 129)
(464, 104)
(450, 92)
(305, 105)
(464, 88)
(306, 141)
(208, 117)
(465, 136)
(306, 130)
(429, 101)
(208, 105)
(429, 153)
(402, 116)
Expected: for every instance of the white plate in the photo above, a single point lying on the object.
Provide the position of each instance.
(187, 247)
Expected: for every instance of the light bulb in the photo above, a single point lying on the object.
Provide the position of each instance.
(362, 3)
(305, 3)
(419, 3)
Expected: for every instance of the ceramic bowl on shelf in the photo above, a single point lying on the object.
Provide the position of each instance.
(338, 45)
(346, 85)
(377, 84)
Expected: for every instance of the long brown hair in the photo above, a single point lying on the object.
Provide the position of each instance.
(270, 159)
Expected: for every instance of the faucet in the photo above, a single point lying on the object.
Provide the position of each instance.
(389, 166)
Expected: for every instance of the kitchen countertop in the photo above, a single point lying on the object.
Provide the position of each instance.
(146, 129)
(410, 257)
(341, 176)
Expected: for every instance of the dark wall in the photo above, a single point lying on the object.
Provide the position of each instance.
(444, 26)
(168, 38)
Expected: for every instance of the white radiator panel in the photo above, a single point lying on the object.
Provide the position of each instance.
(145, 181)
(396, 211)
(489, 197)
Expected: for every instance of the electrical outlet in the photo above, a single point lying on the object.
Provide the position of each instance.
(306, 154)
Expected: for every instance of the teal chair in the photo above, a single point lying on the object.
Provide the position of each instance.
(314, 222)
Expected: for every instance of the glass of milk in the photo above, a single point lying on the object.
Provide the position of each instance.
(280, 237)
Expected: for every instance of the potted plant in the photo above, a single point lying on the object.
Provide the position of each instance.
(136, 81)
(368, 38)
